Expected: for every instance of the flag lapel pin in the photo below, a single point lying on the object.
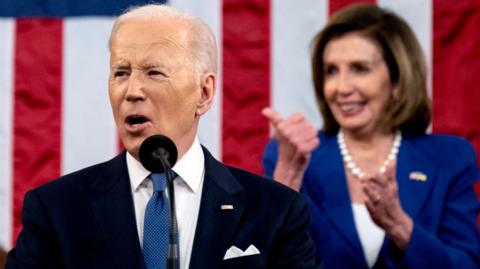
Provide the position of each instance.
(226, 207)
(418, 176)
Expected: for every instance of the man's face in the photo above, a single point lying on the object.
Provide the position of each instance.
(153, 88)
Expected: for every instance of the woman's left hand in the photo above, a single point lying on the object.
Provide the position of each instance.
(385, 209)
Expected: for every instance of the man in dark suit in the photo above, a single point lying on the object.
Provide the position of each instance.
(162, 79)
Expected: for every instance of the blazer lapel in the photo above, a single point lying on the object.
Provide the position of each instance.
(112, 203)
(415, 177)
(330, 190)
(215, 227)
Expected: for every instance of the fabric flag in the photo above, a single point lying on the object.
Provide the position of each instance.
(54, 111)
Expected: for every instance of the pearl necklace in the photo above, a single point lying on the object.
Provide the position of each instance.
(350, 164)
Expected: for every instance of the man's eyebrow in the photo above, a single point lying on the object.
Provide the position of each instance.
(148, 63)
(121, 65)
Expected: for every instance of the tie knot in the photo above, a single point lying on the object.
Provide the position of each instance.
(159, 181)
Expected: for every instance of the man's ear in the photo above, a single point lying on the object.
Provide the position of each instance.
(207, 92)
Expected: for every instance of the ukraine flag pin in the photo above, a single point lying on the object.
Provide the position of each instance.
(418, 176)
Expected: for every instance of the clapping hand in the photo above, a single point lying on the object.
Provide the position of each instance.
(384, 206)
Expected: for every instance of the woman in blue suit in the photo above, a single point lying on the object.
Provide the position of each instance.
(382, 193)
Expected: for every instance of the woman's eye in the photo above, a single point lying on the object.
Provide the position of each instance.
(330, 70)
(360, 68)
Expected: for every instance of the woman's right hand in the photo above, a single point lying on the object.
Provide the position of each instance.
(385, 209)
(296, 138)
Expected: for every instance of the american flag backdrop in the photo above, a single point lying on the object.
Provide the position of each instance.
(54, 111)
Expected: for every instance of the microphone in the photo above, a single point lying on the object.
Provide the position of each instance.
(158, 154)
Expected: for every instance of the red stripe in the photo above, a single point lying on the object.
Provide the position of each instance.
(336, 5)
(456, 62)
(37, 107)
(246, 81)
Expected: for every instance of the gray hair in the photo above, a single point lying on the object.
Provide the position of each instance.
(201, 39)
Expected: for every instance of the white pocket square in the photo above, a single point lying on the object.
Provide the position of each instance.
(234, 252)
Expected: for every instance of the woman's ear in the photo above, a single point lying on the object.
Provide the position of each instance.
(396, 92)
(207, 92)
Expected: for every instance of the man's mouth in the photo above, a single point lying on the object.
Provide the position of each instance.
(135, 120)
(136, 123)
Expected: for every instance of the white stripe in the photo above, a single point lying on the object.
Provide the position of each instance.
(295, 23)
(89, 133)
(418, 14)
(210, 129)
(6, 130)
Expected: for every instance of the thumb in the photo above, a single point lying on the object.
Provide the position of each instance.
(272, 115)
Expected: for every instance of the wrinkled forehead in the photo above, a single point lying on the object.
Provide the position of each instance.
(147, 33)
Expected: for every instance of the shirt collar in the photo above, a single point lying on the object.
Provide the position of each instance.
(190, 168)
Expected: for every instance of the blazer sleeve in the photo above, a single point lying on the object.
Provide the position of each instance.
(456, 243)
(35, 247)
(270, 157)
(295, 248)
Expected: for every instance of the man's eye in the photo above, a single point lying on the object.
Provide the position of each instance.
(155, 73)
(118, 74)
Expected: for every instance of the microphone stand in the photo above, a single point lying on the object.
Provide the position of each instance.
(157, 152)
(173, 259)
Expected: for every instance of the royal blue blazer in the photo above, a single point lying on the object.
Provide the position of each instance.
(443, 207)
(86, 220)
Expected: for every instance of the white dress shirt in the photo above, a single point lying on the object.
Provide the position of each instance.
(188, 192)
(371, 236)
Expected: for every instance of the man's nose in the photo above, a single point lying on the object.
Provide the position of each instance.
(135, 91)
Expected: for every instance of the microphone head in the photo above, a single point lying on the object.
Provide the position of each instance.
(158, 153)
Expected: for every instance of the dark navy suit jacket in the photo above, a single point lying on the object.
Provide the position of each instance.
(86, 220)
(443, 207)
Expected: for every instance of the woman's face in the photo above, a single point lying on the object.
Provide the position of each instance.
(357, 82)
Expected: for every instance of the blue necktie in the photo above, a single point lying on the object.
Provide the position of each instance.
(155, 234)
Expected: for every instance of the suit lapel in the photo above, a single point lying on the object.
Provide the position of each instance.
(415, 177)
(412, 166)
(215, 227)
(112, 203)
(331, 191)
